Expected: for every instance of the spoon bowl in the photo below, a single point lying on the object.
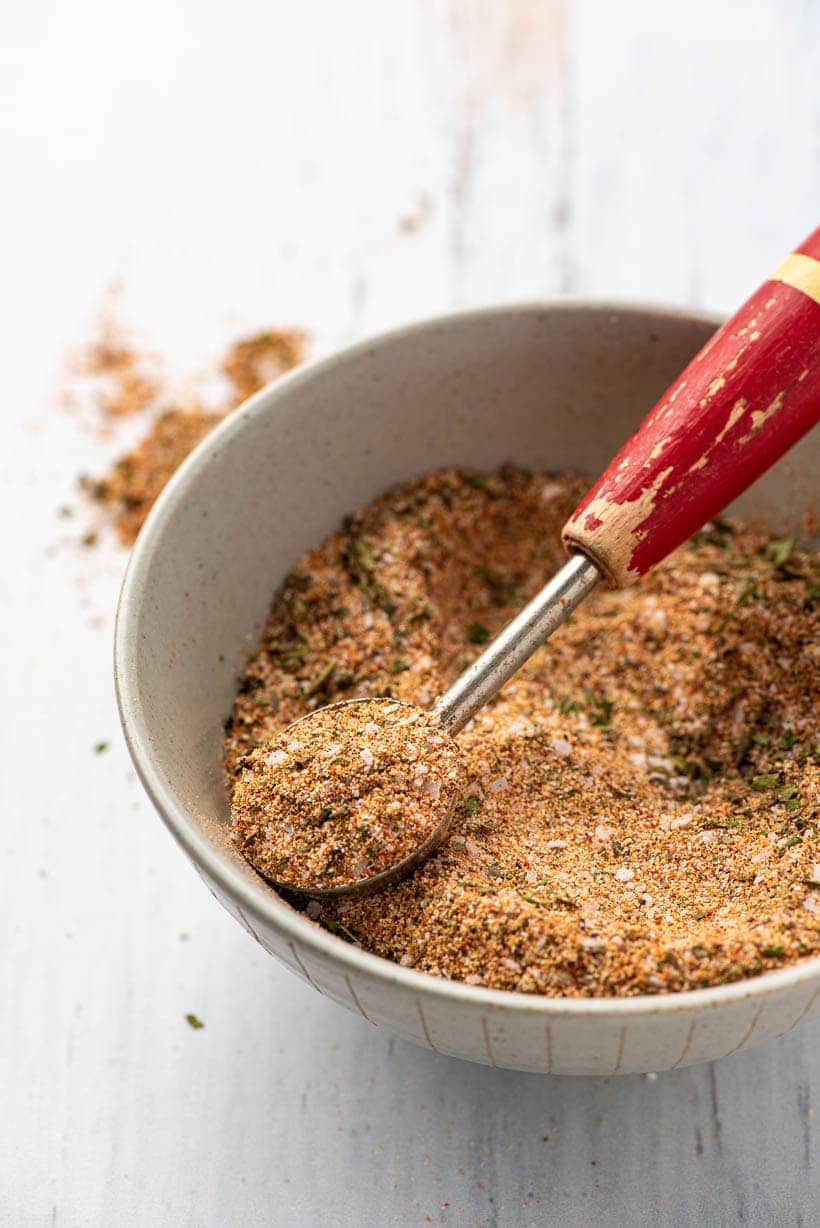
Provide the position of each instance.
(348, 799)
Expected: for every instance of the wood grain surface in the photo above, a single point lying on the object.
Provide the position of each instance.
(342, 168)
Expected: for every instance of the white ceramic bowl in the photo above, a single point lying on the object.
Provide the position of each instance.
(550, 386)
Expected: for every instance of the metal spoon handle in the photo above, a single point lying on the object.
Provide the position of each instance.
(516, 643)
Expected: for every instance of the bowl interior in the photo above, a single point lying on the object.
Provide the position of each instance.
(545, 386)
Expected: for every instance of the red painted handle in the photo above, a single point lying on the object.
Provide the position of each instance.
(744, 400)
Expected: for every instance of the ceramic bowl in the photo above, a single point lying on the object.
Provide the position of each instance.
(549, 385)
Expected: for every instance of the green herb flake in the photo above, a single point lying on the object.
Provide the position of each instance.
(478, 480)
(471, 805)
(747, 589)
(480, 887)
(477, 633)
(600, 710)
(766, 782)
(792, 841)
(772, 952)
(100, 747)
(426, 611)
(761, 739)
(502, 589)
(195, 1022)
(362, 548)
(322, 679)
(779, 551)
(399, 666)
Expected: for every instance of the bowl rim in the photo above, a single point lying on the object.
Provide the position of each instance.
(256, 896)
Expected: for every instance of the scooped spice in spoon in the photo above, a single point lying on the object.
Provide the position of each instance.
(354, 794)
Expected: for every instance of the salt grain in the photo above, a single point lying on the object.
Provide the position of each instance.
(681, 821)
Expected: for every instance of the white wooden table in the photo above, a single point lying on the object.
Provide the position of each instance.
(343, 167)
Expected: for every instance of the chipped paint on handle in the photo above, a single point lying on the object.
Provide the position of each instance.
(743, 401)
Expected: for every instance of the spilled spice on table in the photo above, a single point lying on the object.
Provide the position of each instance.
(255, 361)
(641, 806)
(127, 385)
(134, 482)
(126, 376)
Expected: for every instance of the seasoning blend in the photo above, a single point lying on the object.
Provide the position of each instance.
(640, 808)
(558, 908)
(346, 797)
(130, 386)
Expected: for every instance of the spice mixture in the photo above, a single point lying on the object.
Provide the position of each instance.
(128, 380)
(640, 811)
(347, 793)
(136, 480)
(128, 384)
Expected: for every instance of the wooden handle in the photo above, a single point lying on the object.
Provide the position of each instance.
(744, 400)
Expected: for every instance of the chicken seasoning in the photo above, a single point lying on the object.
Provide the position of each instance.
(124, 376)
(640, 812)
(134, 482)
(346, 795)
